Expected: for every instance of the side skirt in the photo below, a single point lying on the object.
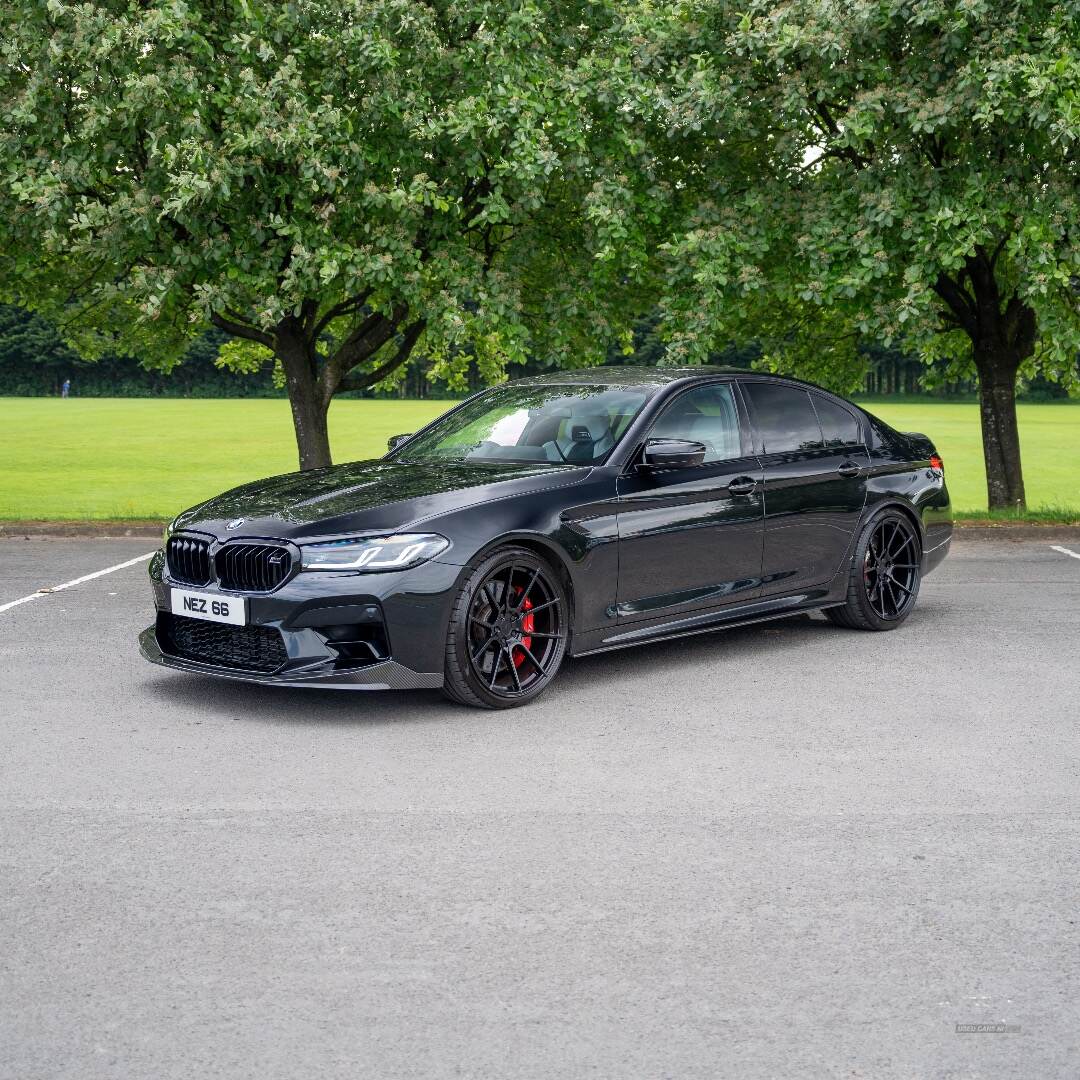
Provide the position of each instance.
(599, 641)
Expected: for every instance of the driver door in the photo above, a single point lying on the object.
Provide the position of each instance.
(692, 537)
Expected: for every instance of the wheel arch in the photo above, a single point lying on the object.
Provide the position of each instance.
(545, 549)
(893, 503)
(871, 511)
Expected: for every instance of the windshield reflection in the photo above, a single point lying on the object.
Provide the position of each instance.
(556, 425)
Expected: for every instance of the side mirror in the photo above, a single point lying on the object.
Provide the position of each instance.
(396, 440)
(672, 454)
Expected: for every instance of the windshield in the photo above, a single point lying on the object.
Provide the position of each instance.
(559, 425)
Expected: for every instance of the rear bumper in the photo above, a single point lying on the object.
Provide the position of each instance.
(935, 556)
(384, 675)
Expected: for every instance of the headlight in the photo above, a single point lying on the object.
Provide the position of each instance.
(375, 553)
(168, 531)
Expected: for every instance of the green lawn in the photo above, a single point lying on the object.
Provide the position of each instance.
(1049, 446)
(149, 458)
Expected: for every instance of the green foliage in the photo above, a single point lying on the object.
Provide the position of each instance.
(893, 151)
(33, 356)
(34, 361)
(244, 357)
(469, 168)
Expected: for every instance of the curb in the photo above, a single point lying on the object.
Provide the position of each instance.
(1029, 530)
(66, 530)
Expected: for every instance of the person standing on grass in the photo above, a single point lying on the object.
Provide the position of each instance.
(65, 388)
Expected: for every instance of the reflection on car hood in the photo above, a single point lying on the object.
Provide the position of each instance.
(363, 496)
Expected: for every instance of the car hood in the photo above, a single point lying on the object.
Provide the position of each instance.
(364, 496)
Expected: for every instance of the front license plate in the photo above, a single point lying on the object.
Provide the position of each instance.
(200, 605)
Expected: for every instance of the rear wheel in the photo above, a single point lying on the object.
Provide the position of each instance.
(885, 575)
(508, 631)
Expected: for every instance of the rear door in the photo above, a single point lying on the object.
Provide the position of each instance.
(815, 468)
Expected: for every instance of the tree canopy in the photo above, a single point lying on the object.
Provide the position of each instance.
(334, 183)
(337, 184)
(913, 178)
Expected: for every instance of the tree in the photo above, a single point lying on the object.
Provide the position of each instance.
(336, 183)
(26, 338)
(34, 361)
(915, 180)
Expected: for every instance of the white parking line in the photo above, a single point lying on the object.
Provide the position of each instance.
(76, 581)
(1065, 551)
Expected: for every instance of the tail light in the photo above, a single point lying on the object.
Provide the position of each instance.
(936, 464)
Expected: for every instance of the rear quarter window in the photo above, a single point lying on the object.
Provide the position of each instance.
(883, 437)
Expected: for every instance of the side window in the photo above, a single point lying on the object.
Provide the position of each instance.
(838, 426)
(706, 415)
(784, 416)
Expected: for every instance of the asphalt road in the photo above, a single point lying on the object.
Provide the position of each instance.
(789, 850)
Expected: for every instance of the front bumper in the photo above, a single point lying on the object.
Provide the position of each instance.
(403, 614)
(382, 675)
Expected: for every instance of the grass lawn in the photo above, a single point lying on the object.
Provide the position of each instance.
(1049, 448)
(152, 457)
(149, 458)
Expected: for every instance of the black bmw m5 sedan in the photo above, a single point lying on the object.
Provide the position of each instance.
(554, 517)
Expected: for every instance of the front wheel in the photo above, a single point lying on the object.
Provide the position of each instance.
(885, 575)
(508, 631)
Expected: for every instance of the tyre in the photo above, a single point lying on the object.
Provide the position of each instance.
(508, 631)
(885, 575)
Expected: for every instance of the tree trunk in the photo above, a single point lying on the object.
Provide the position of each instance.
(1000, 435)
(1003, 330)
(312, 379)
(309, 408)
(312, 433)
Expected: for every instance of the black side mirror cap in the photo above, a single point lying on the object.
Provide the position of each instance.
(672, 454)
(396, 440)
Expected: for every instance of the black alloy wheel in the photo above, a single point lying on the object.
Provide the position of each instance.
(885, 575)
(890, 574)
(508, 631)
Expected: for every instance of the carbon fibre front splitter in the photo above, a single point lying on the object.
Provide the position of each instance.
(384, 675)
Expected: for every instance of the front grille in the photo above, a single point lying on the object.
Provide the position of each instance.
(252, 567)
(246, 648)
(189, 560)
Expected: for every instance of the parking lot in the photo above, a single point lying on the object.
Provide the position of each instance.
(787, 850)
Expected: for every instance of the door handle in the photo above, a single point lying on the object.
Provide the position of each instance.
(742, 485)
(848, 468)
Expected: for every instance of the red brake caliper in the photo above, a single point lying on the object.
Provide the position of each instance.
(527, 626)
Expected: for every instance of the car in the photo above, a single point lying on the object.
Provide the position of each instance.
(554, 517)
